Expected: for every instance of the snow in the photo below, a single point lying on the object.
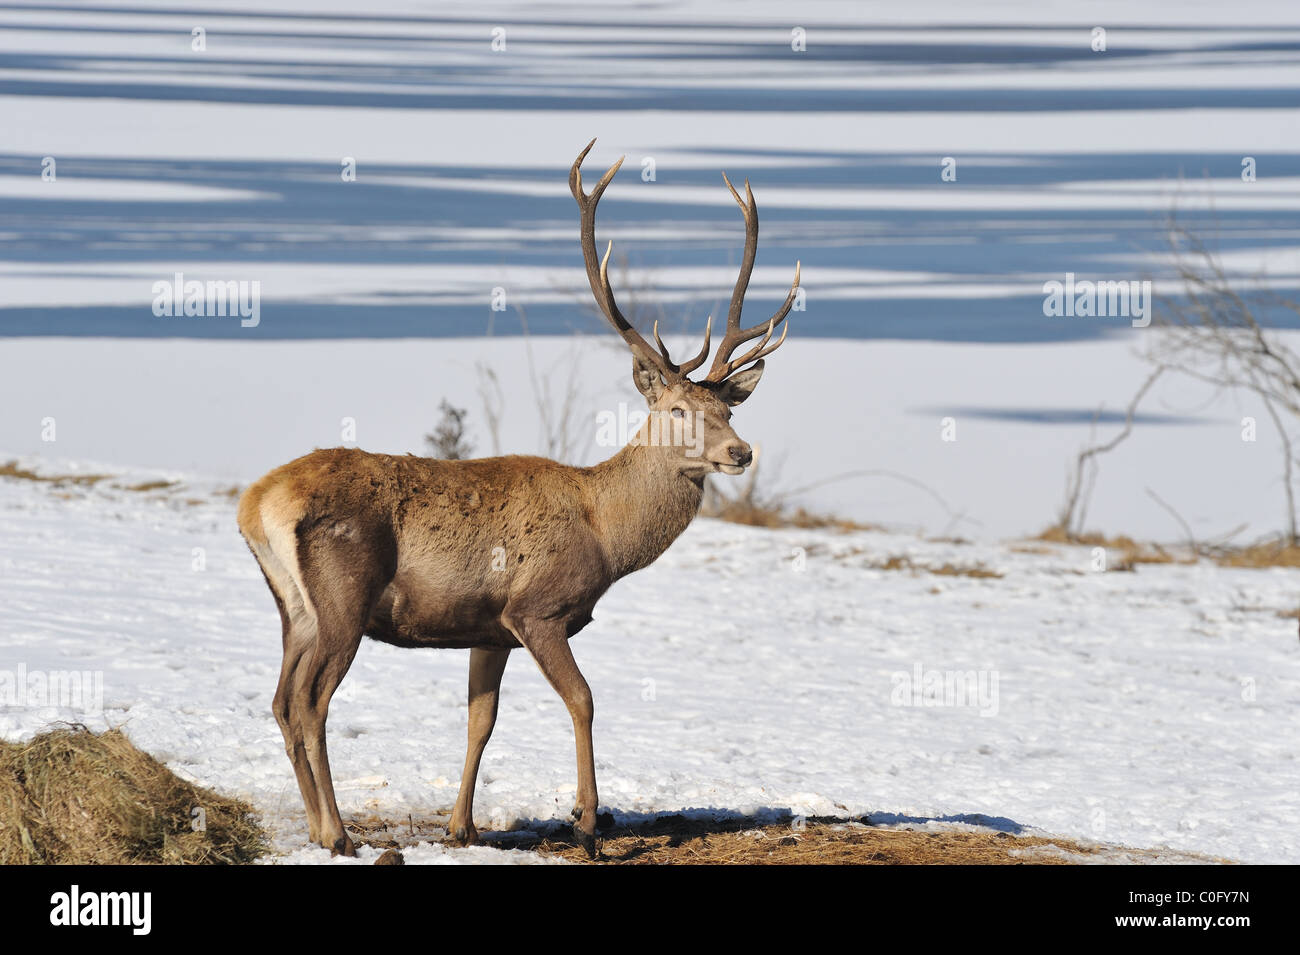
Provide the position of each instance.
(747, 671)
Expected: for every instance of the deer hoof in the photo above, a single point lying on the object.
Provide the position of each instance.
(585, 839)
(465, 836)
(343, 847)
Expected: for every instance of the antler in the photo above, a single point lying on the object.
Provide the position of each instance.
(598, 276)
(723, 365)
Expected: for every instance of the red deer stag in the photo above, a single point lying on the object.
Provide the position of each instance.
(406, 550)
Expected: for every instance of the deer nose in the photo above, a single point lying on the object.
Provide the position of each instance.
(741, 454)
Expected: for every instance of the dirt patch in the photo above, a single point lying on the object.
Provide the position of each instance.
(681, 840)
(73, 796)
(675, 840)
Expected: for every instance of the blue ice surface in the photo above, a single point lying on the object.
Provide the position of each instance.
(306, 215)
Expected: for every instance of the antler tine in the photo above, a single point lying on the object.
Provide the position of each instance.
(759, 351)
(598, 269)
(663, 349)
(748, 209)
(690, 364)
(575, 179)
(723, 365)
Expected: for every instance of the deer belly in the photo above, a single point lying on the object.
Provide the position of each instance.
(416, 618)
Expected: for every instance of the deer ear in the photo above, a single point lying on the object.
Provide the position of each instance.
(648, 380)
(741, 385)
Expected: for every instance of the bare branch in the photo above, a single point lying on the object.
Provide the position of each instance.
(1077, 493)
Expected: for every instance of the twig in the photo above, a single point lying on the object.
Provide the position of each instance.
(1069, 522)
(1191, 538)
(1286, 469)
(954, 516)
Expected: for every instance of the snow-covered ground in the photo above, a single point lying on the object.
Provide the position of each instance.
(747, 670)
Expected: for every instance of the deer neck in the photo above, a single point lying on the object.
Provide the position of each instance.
(641, 503)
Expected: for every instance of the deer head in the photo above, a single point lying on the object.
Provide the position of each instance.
(690, 418)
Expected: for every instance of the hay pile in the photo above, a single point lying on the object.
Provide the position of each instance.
(71, 796)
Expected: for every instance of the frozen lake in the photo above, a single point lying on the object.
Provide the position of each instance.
(226, 163)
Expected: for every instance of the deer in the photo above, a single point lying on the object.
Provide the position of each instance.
(493, 554)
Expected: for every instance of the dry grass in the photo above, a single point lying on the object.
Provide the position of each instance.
(1124, 553)
(14, 471)
(151, 486)
(1270, 552)
(943, 570)
(11, 469)
(1037, 550)
(1273, 553)
(777, 516)
(70, 796)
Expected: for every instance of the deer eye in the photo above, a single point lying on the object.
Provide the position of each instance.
(679, 412)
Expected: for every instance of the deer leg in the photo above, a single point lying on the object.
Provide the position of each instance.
(548, 642)
(485, 670)
(315, 682)
(297, 635)
(343, 567)
(296, 645)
